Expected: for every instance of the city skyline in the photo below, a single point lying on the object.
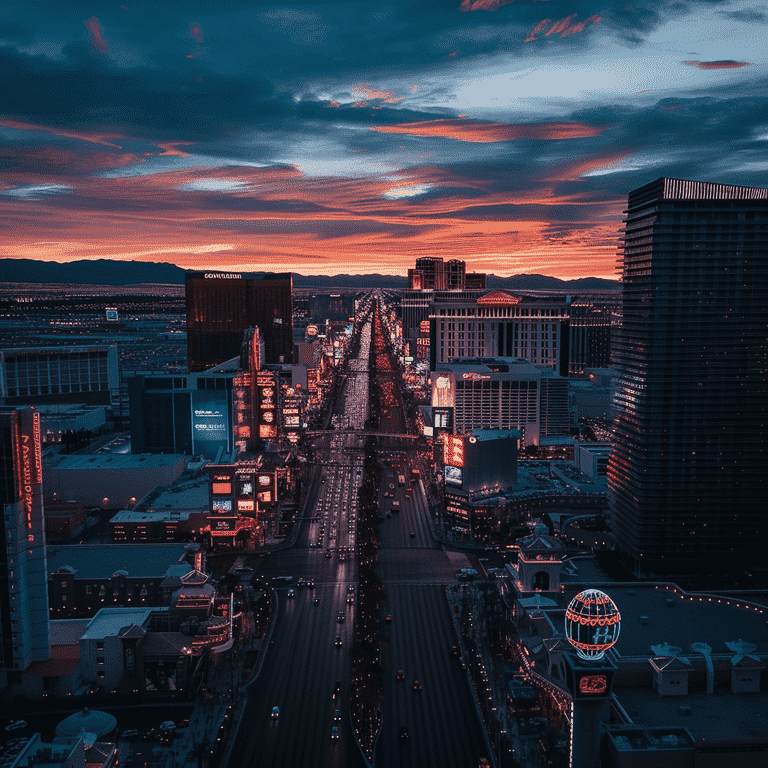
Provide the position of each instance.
(333, 139)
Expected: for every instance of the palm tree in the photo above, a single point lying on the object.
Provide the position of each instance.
(199, 751)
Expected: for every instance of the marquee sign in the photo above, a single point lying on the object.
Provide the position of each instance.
(499, 299)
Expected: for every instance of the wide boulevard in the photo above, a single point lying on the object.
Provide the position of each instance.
(306, 670)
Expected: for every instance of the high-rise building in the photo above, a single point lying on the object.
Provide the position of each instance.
(24, 636)
(687, 473)
(222, 305)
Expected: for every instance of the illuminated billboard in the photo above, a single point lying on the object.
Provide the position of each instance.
(222, 525)
(442, 392)
(210, 422)
(453, 475)
(453, 451)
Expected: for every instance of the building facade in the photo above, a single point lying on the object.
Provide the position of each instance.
(501, 393)
(190, 414)
(566, 335)
(686, 475)
(222, 305)
(24, 635)
(42, 375)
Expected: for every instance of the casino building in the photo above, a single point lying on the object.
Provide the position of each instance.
(557, 331)
(501, 393)
(222, 305)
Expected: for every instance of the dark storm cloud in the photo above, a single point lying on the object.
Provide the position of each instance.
(15, 32)
(295, 43)
(84, 93)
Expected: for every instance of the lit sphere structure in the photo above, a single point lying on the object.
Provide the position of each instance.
(592, 623)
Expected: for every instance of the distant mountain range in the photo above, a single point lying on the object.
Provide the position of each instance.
(108, 272)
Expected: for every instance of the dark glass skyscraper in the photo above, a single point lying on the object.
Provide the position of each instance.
(222, 305)
(686, 476)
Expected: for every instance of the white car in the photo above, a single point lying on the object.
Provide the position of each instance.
(275, 712)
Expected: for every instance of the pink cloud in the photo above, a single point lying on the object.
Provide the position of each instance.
(92, 138)
(724, 64)
(564, 27)
(485, 133)
(482, 5)
(195, 32)
(540, 27)
(97, 38)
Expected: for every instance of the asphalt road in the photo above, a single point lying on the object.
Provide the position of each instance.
(303, 662)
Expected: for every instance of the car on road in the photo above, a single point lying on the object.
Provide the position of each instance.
(341, 618)
(316, 601)
(454, 650)
(16, 725)
(335, 733)
(338, 641)
(413, 534)
(168, 725)
(416, 685)
(404, 735)
(275, 712)
(400, 676)
(388, 618)
(291, 593)
(336, 690)
(337, 716)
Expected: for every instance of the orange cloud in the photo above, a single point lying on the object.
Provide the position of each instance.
(724, 64)
(364, 91)
(485, 133)
(482, 5)
(564, 27)
(97, 38)
(195, 32)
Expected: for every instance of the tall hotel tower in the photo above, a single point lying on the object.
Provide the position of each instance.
(222, 305)
(686, 476)
(23, 571)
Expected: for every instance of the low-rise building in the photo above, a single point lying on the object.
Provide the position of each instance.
(82, 579)
(110, 480)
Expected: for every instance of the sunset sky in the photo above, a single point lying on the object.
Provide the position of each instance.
(355, 137)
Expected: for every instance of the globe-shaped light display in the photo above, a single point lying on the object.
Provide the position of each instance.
(592, 623)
